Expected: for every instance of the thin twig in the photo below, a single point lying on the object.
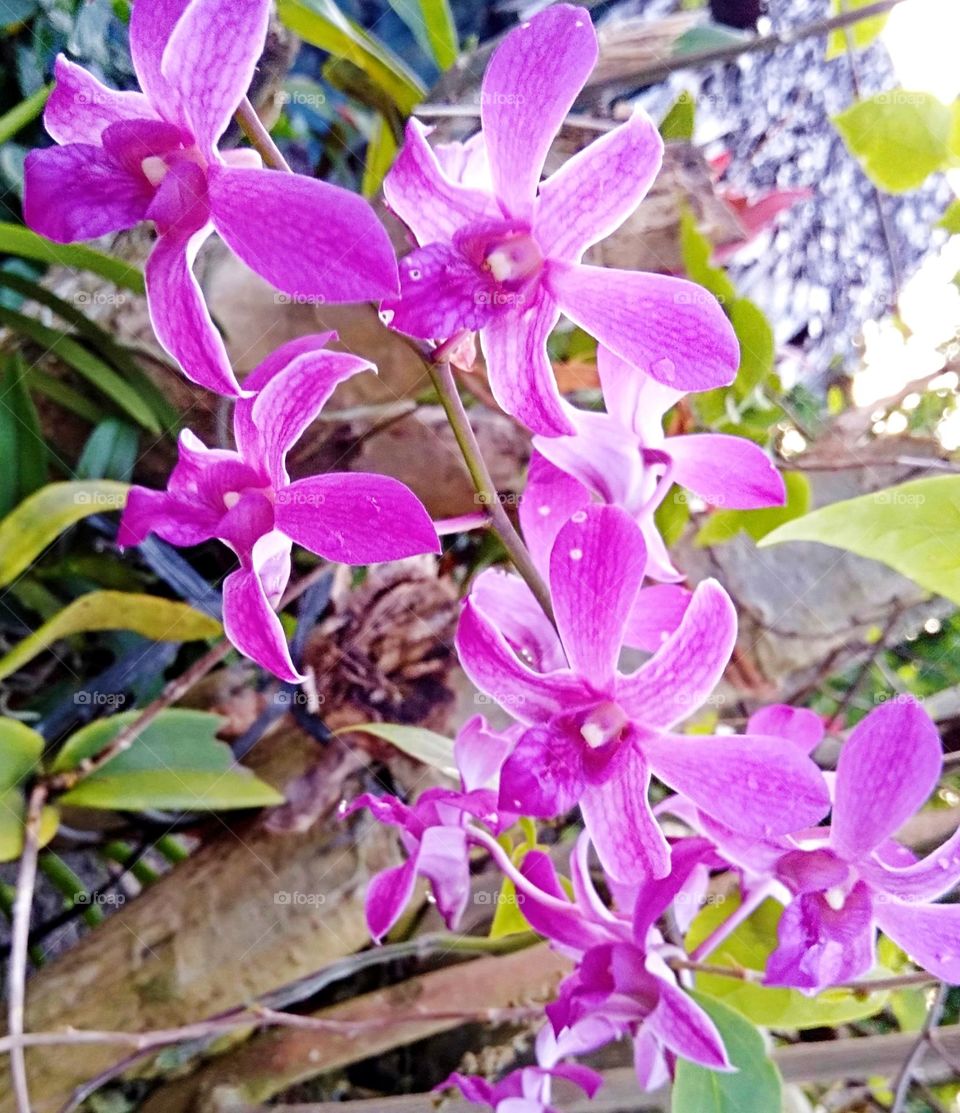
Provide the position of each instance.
(864, 987)
(22, 907)
(901, 1088)
(252, 127)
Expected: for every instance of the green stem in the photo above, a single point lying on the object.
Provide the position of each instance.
(122, 853)
(487, 493)
(69, 885)
(252, 127)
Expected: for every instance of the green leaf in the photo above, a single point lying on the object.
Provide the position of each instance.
(900, 137)
(110, 452)
(858, 35)
(23, 451)
(424, 745)
(322, 24)
(85, 363)
(679, 121)
(12, 813)
(17, 240)
(757, 346)
(724, 525)
(38, 520)
(696, 251)
(672, 516)
(951, 218)
(381, 149)
(174, 789)
(754, 1088)
(147, 615)
(23, 113)
(914, 528)
(20, 751)
(176, 761)
(433, 26)
(749, 946)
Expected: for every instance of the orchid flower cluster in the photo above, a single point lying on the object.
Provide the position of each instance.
(498, 250)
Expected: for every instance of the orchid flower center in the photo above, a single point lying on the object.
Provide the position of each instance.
(154, 169)
(514, 259)
(604, 724)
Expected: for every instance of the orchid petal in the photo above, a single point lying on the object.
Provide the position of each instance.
(510, 605)
(617, 814)
(594, 192)
(683, 1027)
(388, 894)
(819, 946)
(671, 328)
(550, 499)
(654, 895)
(596, 570)
(78, 192)
(355, 518)
(415, 175)
(726, 471)
(209, 60)
(489, 661)
(281, 358)
(929, 933)
(479, 752)
(753, 785)
(529, 86)
(80, 107)
(251, 623)
(519, 369)
(179, 523)
(307, 238)
(603, 455)
(180, 317)
(931, 877)
(151, 25)
(656, 614)
(544, 775)
(649, 1061)
(443, 860)
(571, 929)
(636, 400)
(888, 768)
(680, 676)
(799, 725)
(441, 293)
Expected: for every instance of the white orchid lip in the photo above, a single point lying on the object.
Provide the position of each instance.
(604, 724)
(514, 259)
(154, 169)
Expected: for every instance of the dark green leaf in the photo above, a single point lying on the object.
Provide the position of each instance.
(110, 452)
(17, 240)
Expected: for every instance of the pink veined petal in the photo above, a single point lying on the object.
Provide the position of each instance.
(926, 880)
(180, 316)
(355, 518)
(479, 752)
(478, 1090)
(520, 373)
(799, 725)
(179, 523)
(888, 768)
(509, 604)
(726, 471)
(677, 680)
(683, 1027)
(181, 205)
(253, 626)
(305, 237)
(603, 455)
(654, 896)
(388, 894)
(636, 400)
(531, 82)
(929, 933)
(596, 570)
(271, 423)
(151, 26)
(819, 946)
(204, 474)
(466, 163)
(617, 815)
(78, 192)
(418, 190)
(659, 565)
(571, 928)
(543, 776)
(656, 614)
(281, 357)
(668, 327)
(443, 861)
(440, 294)
(550, 498)
(209, 60)
(649, 1061)
(495, 669)
(594, 192)
(753, 785)
(80, 107)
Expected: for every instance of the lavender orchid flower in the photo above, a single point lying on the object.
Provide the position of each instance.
(594, 735)
(843, 882)
(246, 499)
(502, 254)
(433, 832)
(128, 157)
(622, 457)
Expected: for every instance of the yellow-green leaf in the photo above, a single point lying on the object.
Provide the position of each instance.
(147, 615)
(381, 149)
(914, 528)
(26, 531)
(679, 121)
(749, 947)
(433, 26)
(424, 745)
(858, 35)
(176, 789)
(12, 811)
(20, 751)
(724, 525)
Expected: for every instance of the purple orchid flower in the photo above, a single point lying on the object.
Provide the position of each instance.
(623, 458)
(500, 252)
(622, 985)
(129, 157)
(527, 1090)
(840, 883)
(246, 499)
(433, 831)
(594, 735)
